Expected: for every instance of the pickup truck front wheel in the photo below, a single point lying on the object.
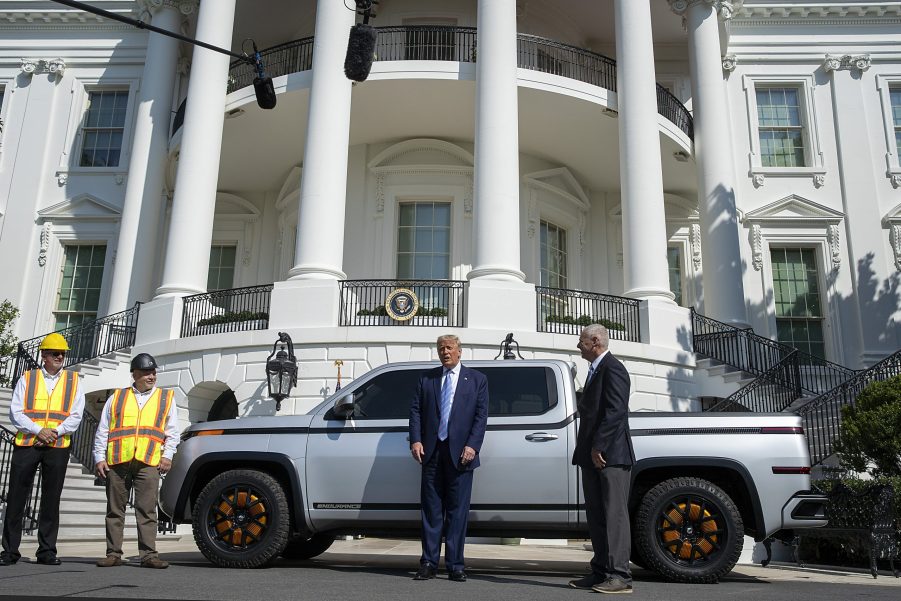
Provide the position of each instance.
(241, 519)
(688, 530)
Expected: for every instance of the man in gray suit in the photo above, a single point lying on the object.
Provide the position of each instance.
(604, 454)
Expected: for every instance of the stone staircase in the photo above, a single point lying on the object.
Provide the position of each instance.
(722, 380)
(83, 505)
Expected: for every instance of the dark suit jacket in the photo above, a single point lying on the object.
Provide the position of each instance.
(468, 418)
(604, 416)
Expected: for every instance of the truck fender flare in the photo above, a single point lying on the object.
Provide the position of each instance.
(257, 457)
(721, 462)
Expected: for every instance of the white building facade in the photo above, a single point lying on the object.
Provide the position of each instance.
(518, 165)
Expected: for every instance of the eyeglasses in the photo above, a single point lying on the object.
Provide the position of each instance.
(55, 354)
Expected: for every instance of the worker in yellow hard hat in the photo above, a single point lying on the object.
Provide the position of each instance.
(46, 409)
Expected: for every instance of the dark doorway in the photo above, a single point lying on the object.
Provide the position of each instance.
(224, 407)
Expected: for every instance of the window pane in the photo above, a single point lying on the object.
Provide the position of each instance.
(799, 311)
(780, 127)
(674, 261)
(423, 240)
(553, 268)
(103, 128)
(518, 391)
(221, 274)
(81, 280)
(387, 396)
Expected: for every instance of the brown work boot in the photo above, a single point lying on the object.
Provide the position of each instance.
(155, 563)
(109, 561)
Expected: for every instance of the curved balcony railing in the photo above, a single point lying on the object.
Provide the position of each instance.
(232, 310)
(460, 44)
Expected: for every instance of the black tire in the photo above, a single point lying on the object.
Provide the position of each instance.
(307, 548)
(688, 530)
(241, 519)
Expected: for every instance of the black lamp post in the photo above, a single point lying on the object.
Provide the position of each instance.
(281, 370)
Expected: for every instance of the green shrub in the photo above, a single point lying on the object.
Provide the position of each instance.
(870, 439)
(584, 320)
(8, 340)
(232, 317)
(437, 312)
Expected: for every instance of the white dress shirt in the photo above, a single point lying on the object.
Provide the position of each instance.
(173, 432)
(454, 378)
(23, 423)
(593, 367)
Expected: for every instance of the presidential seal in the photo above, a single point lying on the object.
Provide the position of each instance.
(402, 304)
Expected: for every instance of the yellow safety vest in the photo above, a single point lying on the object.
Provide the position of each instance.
(47, 410)
(137, 432)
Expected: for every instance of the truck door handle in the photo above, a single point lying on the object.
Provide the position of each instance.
(540, 437)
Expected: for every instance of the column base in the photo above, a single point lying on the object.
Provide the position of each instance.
(176, 290)
(496, 272)
(160, 320)
(658, 294)
(500, 305)
(304, 303)
(315, 272)
(665, 324)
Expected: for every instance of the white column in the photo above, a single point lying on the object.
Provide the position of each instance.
(139, 231)
(724, 296)
(496, 185)
(641, 176)
(194, 205)
(320, 219)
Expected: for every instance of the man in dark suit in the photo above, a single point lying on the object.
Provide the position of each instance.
(447, 425)
(604, 452)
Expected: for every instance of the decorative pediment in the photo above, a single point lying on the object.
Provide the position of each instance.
(792, 209)
(81, 208)
(290, 191)
(422, 153)
(231, 206)
(560, 182)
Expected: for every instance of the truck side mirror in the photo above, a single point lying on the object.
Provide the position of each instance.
(344, 406)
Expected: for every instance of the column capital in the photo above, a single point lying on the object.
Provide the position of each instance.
(832, 62)
(185, 7)
(31, 66)
(724, 8)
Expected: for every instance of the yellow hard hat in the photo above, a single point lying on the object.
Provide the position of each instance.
(54, 342)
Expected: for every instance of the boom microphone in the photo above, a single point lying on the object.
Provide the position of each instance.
(360, 52)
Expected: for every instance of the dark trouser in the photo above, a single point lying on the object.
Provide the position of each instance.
(24, 464)
(607, 509)
(445, 494)
(146, 482)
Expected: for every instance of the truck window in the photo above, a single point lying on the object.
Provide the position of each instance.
(387, 396)
(520, 390)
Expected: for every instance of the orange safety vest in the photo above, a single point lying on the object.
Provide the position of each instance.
(47, 410)
(137, 432)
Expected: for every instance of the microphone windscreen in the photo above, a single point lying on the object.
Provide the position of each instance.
(265, 92)
(360, 52)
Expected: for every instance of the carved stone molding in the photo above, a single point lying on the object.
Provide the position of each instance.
(729, 62)
(895, 178)
(32, 66)
(468, 195)
(724, 8)
(583, 222)
(895, 238)
(819, 180)
(835, 245)
(380, 193)
(694, 234)
(185, 7)
(846, 62)
(46, 233)
(184, 65)
(757, 247)
(533, 214)
(62, 177)
(758, 179)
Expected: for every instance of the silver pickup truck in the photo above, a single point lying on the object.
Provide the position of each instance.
(256, 488)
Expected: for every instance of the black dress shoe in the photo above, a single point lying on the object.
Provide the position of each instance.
(6, 560)
(49, 560)
(457, 576)
(426, 572)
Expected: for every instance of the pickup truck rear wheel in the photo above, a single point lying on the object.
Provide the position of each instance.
(307, 548)
(241, 519)
(689, 530)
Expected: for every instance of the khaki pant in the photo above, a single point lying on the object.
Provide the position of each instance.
(145, 480)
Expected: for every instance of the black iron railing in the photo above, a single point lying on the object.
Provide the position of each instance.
(233, 310)
(460, 44)
(822, 416)
(86, 341)
(7, 365)
(290, 57)
(756, 355)
(441, 303)
(81, 448)
(563, 311)
(32, 502)
(772, 391)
